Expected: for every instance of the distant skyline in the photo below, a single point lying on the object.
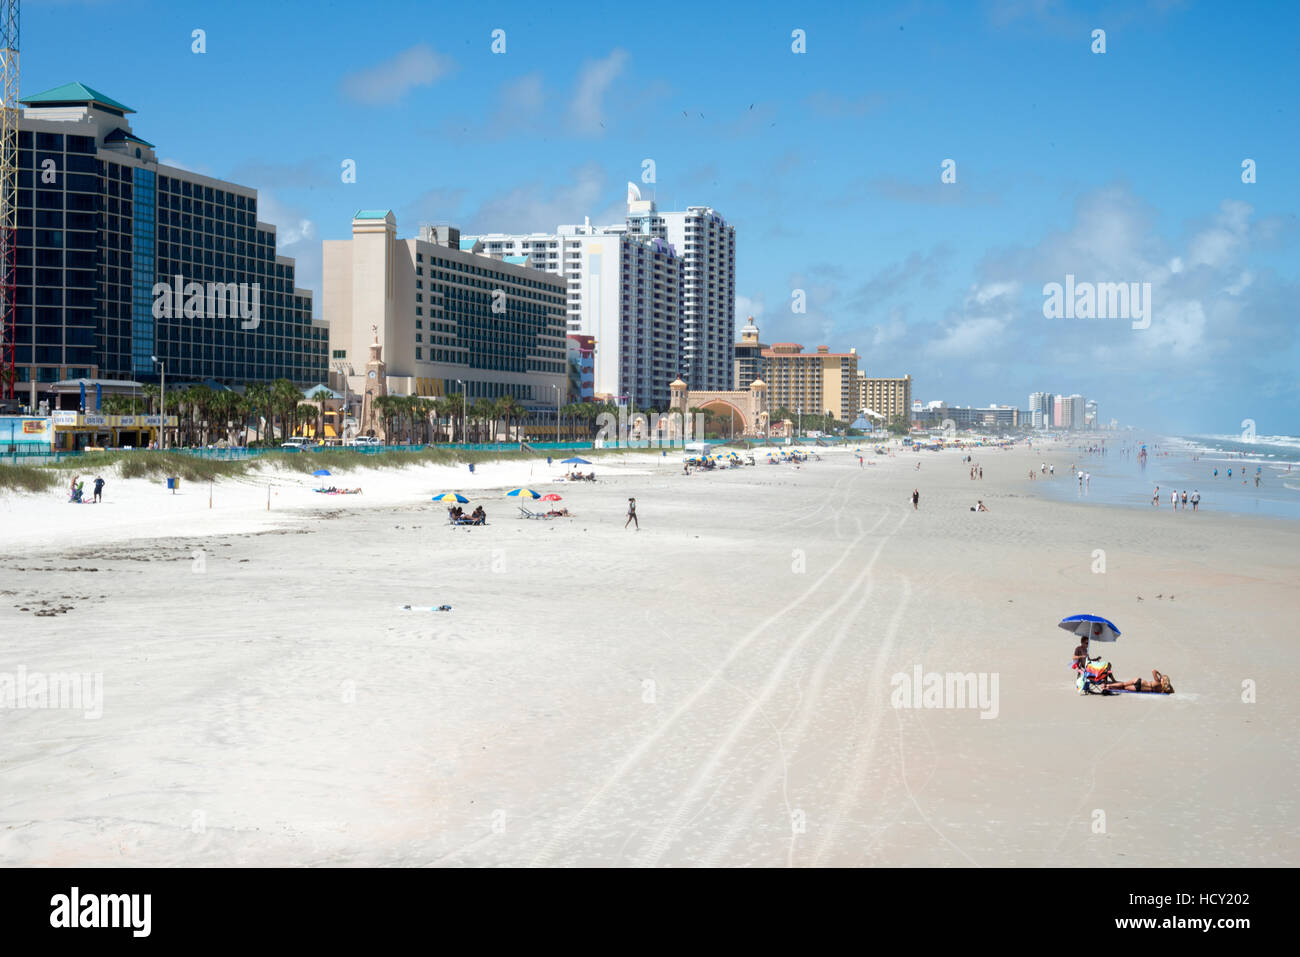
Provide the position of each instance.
(1122, 166)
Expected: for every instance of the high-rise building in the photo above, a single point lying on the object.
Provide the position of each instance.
(886, 397)
(814, 382)
(1043, 404)
(707, 245)
(624, 291)
(102, 225)
(1091, 419)
(749, 361)
(1060, 412)
(448, 320)
(1077, 412)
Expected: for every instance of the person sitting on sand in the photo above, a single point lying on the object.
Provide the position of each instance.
(980, 506)
(1080, 659)
(478, 516)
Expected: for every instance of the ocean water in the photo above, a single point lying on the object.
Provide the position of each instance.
(1186, 462)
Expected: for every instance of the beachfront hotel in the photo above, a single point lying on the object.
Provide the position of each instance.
(447, 319)
(624, 291)
(887, 397)
(101, 221)
(817, 383)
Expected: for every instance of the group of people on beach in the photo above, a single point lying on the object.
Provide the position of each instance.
(77, 488)
(1242, 473)
(1175, 499)
(1097, 673)
(458, 516)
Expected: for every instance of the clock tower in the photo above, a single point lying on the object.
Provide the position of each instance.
(376, 385)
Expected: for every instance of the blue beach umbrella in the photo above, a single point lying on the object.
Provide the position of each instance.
(522, 493)
(574, 461)
(1092, 627)
(451, 497)
(321, 472)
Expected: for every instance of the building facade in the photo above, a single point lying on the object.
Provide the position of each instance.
(103, 226)
(448, 320)
(817, 383)
(887, 397)
(707, 245)
(749, 361)
(622, 290)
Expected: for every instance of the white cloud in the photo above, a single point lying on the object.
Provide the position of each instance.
(968, 336)
(587, 109)
(746, 307)
(531, 207)
(389, 81)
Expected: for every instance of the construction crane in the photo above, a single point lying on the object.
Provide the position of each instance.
(8, 190)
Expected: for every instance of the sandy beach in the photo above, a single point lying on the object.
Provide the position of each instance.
(717, 688)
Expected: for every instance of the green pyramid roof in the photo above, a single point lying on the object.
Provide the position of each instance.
(75, 93)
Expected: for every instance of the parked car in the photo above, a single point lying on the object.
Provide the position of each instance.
(294, 445)
(367, 440)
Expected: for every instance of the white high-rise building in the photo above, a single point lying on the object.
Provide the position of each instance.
(623, 290)
(707, 244)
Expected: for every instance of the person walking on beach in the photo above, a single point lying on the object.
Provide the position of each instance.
(1155, 497)
(99, 489)
(1173, 498)
(981, 473)
(1184, 500)
(631, 514)
(1087, 479)
(916, 499)
(1052, 470)
(1196, 498)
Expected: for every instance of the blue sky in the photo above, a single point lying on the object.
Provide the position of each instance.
(1122, 166)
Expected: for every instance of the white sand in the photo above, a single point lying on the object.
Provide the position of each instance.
(713, 689)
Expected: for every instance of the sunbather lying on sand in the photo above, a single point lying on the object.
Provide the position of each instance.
(1158, 682)
(1098, 675)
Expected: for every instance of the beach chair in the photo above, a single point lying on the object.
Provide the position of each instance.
(525, 513)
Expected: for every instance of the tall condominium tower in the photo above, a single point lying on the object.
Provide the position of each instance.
(707, 245)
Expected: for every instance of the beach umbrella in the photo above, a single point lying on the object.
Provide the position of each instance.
(451, 497)
(1093, 627)
(522, 493)
(321, 472)
(574, 461)
(550, 497)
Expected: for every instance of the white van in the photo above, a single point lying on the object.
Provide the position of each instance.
(294, 443)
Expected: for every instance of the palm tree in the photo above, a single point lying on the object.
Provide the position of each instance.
(510, 408)
(285, 397)
(150, 393)
(481, 409)
(261, 402)
(320, 397)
